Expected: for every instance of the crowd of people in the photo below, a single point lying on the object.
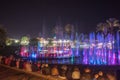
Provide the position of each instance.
(65, 72)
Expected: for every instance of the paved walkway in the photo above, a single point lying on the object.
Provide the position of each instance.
(11, 73)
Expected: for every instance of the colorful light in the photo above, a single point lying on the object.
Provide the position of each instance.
(98, 50)
(33, 55)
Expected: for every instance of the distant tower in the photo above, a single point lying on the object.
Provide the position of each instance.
(59, 29)
(72, 32)
(76, 28)
(43, 29)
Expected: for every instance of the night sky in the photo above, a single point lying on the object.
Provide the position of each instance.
(26, 17)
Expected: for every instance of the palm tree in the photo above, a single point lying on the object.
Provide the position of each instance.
(113, 25)
(69, 29)
(25, 40)
(58, 31)
(102, 28)
(110, 26)
(3, 36)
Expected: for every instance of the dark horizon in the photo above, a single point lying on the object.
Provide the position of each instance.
(26, 17)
